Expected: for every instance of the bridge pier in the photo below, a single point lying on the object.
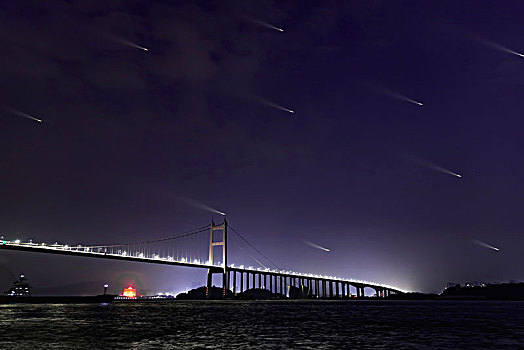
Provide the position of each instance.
(209, 282)
(225, 282)
(234, 283)
(241, 282)
(216, 270)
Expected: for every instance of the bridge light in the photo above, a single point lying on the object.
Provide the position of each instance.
(17, 241)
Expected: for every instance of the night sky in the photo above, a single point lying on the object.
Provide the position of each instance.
(130, 137)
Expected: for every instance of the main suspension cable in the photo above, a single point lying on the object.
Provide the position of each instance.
(252, 246)
(182, 235)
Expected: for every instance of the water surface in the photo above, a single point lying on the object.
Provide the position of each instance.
(266, 325)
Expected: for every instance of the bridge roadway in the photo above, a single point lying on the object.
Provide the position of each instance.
(276, 281)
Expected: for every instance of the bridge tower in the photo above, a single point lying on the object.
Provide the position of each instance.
(217, 239)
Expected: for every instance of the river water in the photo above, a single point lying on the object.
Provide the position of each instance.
(265, 325)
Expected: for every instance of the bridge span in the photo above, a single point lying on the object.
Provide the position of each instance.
(234, 278)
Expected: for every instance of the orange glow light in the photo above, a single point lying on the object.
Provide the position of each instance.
(129, 292)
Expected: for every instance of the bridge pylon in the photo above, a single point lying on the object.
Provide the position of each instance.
(217, 239)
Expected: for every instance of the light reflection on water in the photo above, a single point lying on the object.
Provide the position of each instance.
(265, 324)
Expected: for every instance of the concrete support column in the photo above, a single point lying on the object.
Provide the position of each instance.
(225, 282)
(234, 282)
(241, 282)
(271, 283)
(209, 281)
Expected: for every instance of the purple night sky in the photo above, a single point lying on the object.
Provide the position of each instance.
(129, 135)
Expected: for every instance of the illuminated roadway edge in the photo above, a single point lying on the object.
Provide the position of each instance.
(34, 247)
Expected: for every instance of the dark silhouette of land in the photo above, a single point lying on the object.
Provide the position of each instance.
(504, 291)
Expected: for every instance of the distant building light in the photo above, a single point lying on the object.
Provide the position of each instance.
(129, 292)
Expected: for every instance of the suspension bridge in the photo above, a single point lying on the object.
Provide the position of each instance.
(186, 249)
